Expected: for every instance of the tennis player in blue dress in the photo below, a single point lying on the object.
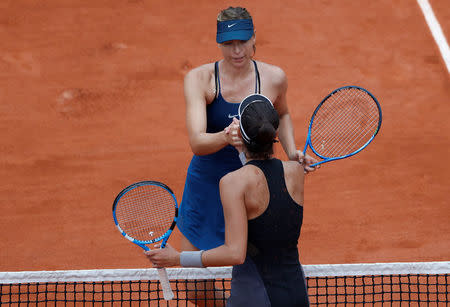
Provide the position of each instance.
(263, 209)
(212, 94)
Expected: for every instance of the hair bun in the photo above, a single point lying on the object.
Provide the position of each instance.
(259, 123)
(266, 133)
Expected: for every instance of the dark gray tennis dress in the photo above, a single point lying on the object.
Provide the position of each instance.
(272, 274)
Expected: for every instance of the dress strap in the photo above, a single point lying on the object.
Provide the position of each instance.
(217, 79)
(258, 80)
(274, 173)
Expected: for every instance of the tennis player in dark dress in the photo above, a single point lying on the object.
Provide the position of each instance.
(263, 210)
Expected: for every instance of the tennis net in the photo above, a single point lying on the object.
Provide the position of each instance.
(390, 284)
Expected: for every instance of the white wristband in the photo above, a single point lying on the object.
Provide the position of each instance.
(191, 259)
(242, 157)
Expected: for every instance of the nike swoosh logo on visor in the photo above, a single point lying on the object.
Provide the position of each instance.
(229, 26)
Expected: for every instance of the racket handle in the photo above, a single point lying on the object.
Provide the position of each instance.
(165, 284)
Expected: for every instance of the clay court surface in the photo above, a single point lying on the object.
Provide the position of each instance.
(91, 100)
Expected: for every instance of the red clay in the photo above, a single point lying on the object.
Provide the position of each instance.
(91, 100)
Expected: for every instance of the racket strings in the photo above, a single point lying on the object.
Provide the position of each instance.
(146, 213)
(345, 140)
(342, 142)
(350, 142)
(344, 123)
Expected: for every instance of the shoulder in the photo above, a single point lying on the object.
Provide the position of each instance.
(274, 84)
(232, 188)
(200, 81)
(233, 178)
(240, 178)
(293, 166)
(293, 169)
(273, 72)
(202, 72)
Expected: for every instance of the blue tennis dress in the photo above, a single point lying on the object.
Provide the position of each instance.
(201, 215)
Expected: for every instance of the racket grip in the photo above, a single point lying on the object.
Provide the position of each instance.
(165, 284)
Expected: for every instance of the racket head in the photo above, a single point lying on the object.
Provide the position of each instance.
(344, 123)
(146, 212)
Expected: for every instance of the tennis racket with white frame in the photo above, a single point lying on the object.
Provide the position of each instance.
(345, 122)
(146, 213)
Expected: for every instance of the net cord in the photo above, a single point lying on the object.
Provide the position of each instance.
(329, 270)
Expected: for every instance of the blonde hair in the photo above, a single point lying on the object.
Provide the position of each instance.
(233, 13)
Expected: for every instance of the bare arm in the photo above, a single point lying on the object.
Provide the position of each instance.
(286, 129)
(233, 251)
(196, 87)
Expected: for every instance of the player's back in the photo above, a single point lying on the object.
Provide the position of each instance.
(272, 271)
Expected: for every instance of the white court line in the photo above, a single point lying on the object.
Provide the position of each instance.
(436, 30)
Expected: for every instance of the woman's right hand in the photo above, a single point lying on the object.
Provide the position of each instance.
(163, 257)
(233, 134)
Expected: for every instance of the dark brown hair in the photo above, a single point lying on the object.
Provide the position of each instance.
(260, 122)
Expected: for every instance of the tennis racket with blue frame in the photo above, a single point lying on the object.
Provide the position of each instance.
(146, 213)
(343, 124)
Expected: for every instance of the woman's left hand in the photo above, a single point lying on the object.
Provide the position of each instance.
(306, 161)
(163, 257)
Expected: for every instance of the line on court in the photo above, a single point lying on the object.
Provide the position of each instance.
(436, 31)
